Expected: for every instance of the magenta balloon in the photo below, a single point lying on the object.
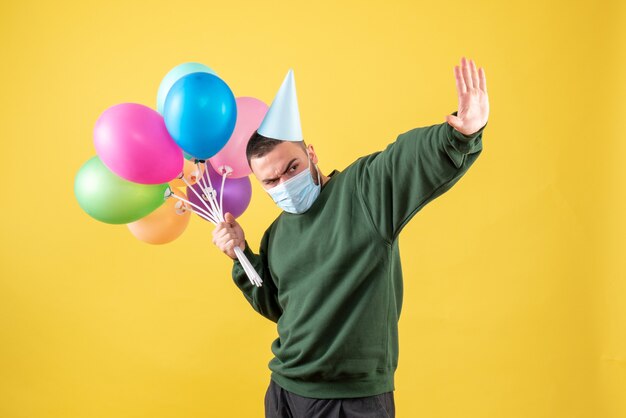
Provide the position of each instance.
(237, 192)
(250, 114)
(132, 141)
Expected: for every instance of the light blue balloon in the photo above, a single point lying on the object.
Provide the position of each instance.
(176, 74)
(200, 112)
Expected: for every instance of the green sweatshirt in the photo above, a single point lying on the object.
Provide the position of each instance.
(332, 277)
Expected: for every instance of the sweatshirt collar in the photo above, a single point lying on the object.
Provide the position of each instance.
(330, 177)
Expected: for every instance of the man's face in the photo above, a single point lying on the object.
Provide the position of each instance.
(286, 160)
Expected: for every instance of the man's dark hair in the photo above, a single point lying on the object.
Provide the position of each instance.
(259, 145)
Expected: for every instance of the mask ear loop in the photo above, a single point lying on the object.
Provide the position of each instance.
(319, 179)
(317, 170)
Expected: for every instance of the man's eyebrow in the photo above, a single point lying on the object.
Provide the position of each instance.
(287, 168)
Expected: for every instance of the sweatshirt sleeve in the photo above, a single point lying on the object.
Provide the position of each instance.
(263, 299)
(419, 166)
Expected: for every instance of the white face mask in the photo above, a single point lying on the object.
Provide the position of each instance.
(297, 194)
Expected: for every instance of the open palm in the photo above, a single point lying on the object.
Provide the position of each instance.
(471, 86)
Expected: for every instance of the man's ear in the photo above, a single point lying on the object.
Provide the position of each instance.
(312, 153)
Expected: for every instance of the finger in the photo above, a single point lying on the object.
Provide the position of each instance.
(460, 84)
(483, 79)
(219, 227)
(222, 243)
(230, 218)
(230, 246)
(474, 74)
(224, 232)
(466, 74)
(454, 121)
(225, 225)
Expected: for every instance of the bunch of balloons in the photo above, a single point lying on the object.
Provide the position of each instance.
(151, 170)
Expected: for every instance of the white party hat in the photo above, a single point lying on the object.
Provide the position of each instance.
(282, 120)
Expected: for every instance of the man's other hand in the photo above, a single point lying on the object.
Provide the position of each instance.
(471, 86)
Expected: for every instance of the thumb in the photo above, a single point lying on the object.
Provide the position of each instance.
(228, 217)
(454, 121)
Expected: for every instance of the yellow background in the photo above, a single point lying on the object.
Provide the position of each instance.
(515, 294)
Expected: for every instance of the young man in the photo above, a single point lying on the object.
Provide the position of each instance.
(332, 277)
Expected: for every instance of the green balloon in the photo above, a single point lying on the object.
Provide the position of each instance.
(109, 198)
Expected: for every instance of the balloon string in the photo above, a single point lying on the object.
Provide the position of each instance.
(247, 266)
(222, 191)
(205, 203)
(208, 210)
(199, 210)
(208, 177)
(201, 179)
(196, 206)
(204, 216)
(208, 192)
(253, 276)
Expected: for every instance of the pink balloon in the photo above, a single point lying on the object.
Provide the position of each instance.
(132, 141)
(250, 114)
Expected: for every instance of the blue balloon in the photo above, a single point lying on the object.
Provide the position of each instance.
(174, 75)
(200, 113)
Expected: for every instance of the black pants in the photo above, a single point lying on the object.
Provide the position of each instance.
(280, 403)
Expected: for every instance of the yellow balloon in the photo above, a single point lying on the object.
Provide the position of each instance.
(191, 172)
(164, 224)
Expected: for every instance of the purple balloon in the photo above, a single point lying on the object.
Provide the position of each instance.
(237, 192)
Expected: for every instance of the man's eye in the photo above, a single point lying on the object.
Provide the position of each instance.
(293, 167)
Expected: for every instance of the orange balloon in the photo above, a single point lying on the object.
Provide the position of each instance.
(191, 172)
(164, 224)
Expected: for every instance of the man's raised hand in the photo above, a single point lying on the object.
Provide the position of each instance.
(471, 86)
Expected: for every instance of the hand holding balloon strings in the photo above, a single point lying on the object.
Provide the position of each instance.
(214, 213)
